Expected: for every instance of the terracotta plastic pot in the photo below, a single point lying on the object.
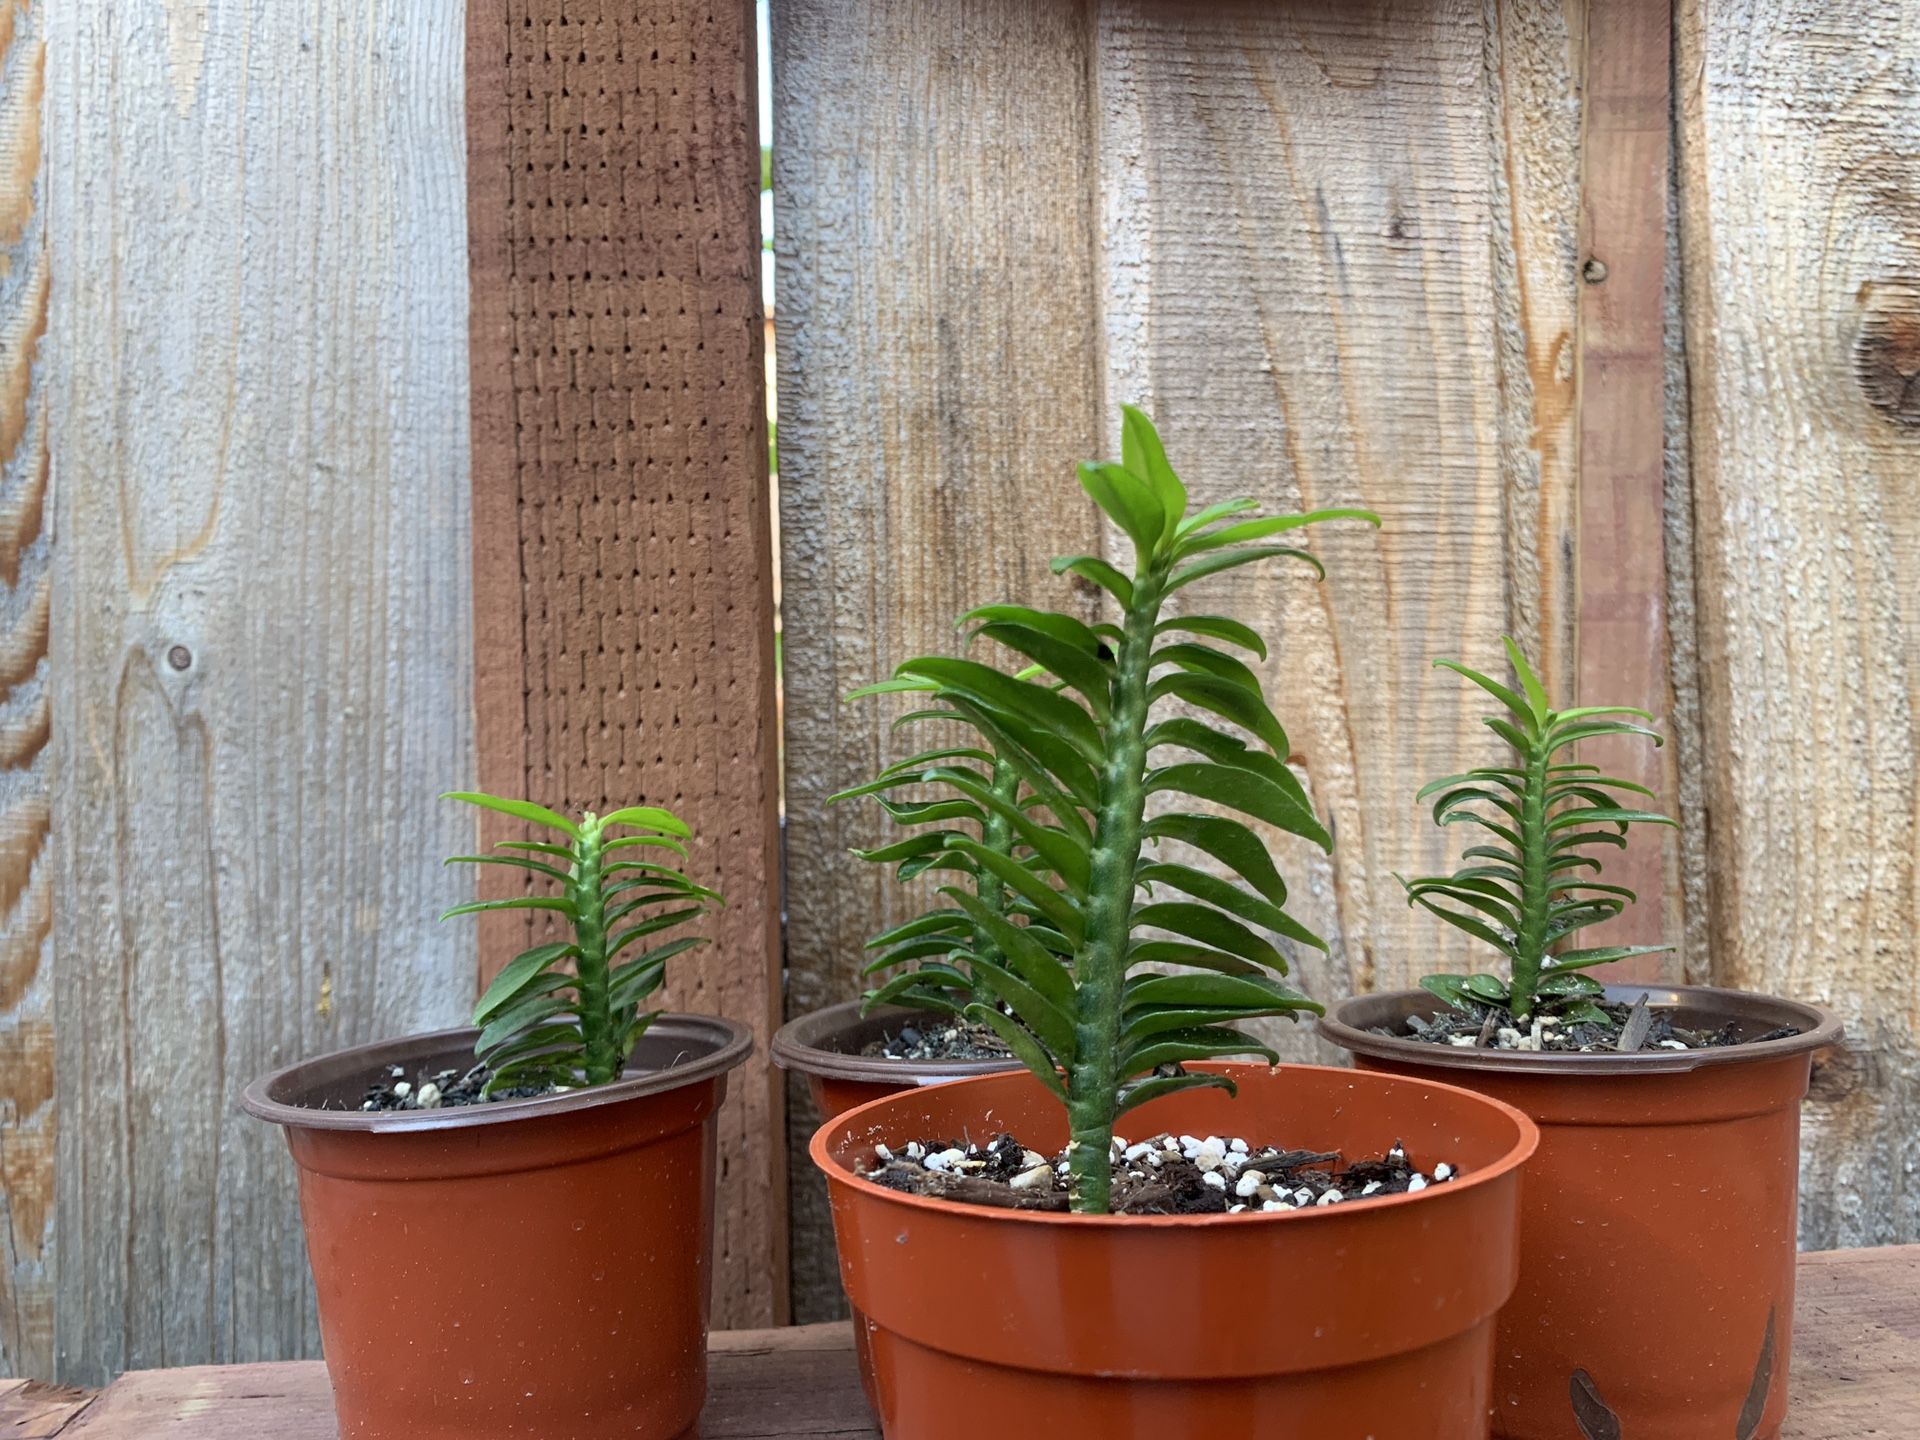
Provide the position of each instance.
(1371, 1318)
(825, 1047)
(527, 1268)
(1658, 1235)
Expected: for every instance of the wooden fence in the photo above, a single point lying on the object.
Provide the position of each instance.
(399, 382)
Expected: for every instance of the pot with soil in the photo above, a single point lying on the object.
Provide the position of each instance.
(1658, 1221)
(510, 1227)
(850, 1056)
(1344, 1286)
(1658, 1224)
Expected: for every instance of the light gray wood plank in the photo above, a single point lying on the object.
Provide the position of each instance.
(1800, 209)
(261, 652)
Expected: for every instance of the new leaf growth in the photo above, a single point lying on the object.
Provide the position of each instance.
(1536, 885)
(542, 1024)
(1103, 968)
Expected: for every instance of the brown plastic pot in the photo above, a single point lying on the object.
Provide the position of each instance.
(1657, 1242)
(1373, 1317)
(527, 1268)
(825, 1047)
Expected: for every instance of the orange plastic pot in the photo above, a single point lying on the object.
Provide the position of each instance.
(1658, 1234)
(825, 1047)
(1370, 1318)
(527, 1268)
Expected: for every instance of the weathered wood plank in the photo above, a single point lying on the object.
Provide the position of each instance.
(261, 654)
(1622, 645)
(1855, 1366)
(622, 546)
(1340, 266)
(938, 379)
(34, 1410)
(26, 893)
(1800, 189)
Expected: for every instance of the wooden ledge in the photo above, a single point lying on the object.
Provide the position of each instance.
(1856, 1373)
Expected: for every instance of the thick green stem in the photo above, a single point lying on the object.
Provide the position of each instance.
(1530, 944)
(601, 1045)
(997, 835)
(1094, 1081)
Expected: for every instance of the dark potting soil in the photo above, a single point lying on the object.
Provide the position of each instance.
(939, 1039)
(439, 1089)
(1639, 1028)
(1167, 1175)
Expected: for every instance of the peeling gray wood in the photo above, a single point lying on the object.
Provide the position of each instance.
(1800, 191)
(261, 653)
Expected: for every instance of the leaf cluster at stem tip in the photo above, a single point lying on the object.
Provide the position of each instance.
(543, 1024)
(1102, 961)
(1535, 883)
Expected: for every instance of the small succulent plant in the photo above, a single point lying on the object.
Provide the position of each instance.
(1102, 967)
(543, 1024)
(1535, 885)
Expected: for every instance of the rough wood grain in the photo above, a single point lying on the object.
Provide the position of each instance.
(26, 893)
(261, 654)
(1856, 1373)
(1800, 189)
(622, 549)
(1621, 627)
(1339, 265)
(938, 380)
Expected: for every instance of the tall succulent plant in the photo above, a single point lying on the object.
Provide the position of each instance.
(1094, 973)
(1524, 894)
(542, 1024)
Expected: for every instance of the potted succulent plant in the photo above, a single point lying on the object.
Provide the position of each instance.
(1244, 1257)
(911, 1029)
(1658, 1234)
(510, 1226)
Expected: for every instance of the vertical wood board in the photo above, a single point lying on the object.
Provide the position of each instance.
(1339, 267)
(938, 380)
(261, 647)
(622, 551)
(1800, 191)
(27, 1122)
(1622, 631)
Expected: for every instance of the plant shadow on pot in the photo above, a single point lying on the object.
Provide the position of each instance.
(531, 1267)
(1658, 1225)
(1371, 1318)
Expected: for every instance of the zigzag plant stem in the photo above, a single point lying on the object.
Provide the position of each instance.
(1535, 893)
(600, 1051)
(1093, 1085)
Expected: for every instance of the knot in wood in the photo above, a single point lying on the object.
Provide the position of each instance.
(1886, 352)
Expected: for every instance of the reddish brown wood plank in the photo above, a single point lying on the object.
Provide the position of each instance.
(34, 1410)
(1856, 1373)
(623, 598)
(1621, 635)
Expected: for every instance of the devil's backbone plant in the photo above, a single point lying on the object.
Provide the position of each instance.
(544, 1024)
(945, 834)
(1537, 884)
(1107, 969)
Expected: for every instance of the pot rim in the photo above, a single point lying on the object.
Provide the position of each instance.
(728, 1043)
(1819, 1029)
(799, 1046)
(1522, 1151)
